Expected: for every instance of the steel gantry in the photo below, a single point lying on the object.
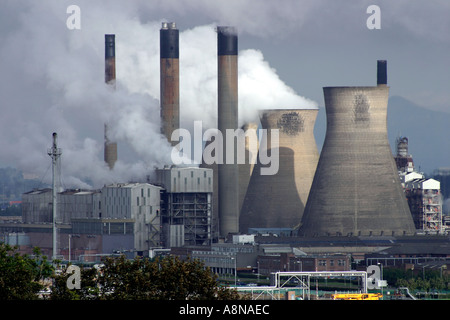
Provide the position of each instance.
(282, 282)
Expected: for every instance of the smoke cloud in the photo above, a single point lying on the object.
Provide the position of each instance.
(53, 81)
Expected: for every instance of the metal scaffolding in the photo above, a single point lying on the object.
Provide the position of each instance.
(426, 208)
(283, 283)
(193, 212)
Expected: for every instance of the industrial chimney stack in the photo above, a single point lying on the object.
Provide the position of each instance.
(382, 72)
(110, 149)
(228, 173)
(169, 77)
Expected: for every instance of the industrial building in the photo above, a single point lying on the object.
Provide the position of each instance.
(132, 218)
(423, 195)
(139, 203)
(403, 159)
(425, 202)
(346, 203)
(186, 205)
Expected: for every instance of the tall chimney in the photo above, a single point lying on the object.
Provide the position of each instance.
(169, 77)
(110, 149)
(381, 72)
(228, 173)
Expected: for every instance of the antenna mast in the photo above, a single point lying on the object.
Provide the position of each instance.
(54, 152)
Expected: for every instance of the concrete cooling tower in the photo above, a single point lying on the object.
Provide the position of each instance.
(356, 188)
(110, 147)
(277, 201)
(169, 79)
(251, 153)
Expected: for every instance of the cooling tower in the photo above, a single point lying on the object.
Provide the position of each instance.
(169, 79)
(251, 154)
(110, 148)
(277, 201)
(227, 118)
(356, 188)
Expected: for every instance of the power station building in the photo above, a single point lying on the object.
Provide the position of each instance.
(131, 218)
(186, 206)
(351, 189)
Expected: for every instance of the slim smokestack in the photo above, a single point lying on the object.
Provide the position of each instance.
(228, 173)
(169, 77)
(381, 72)
(110, 150)
(55, 153)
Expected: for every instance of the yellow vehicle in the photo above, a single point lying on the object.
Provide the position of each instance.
(356, 296)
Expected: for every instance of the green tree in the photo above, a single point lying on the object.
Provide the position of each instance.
(88, 289)
(21, 276)
(168, 278)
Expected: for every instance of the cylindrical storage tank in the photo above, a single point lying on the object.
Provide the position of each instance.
(356, 188)
(278, 200)
(169, 79)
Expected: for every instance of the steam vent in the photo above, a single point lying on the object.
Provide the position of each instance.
(356, 188)
(277, 201)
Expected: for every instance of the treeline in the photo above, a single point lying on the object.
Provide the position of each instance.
(419, 279)
(25, 277)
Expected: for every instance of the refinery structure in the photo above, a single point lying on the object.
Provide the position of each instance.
(319, 211)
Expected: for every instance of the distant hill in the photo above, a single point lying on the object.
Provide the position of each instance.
(13, 184)
(428, 133)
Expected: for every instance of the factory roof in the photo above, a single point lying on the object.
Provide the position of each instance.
(39, 191)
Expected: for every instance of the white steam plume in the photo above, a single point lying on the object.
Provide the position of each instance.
(52, 80)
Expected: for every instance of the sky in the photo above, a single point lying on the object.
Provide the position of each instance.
(52, 76)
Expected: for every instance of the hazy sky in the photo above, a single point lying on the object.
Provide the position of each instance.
(52, 78)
